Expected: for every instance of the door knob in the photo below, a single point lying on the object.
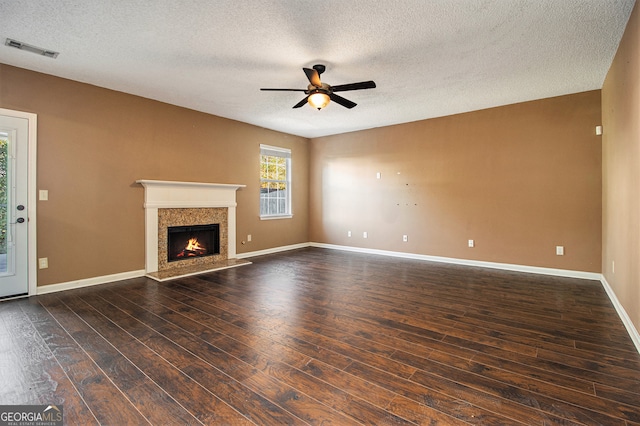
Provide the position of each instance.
(20, 220)
(20, 207)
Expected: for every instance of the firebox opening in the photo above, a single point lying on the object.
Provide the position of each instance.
(189, 242)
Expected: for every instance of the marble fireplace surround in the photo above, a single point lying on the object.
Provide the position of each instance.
(171, 203)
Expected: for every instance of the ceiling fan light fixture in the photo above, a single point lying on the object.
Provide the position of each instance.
(318, 100)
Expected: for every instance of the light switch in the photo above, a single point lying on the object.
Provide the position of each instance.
(43, 195)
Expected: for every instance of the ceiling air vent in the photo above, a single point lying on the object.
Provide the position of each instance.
(33, 49)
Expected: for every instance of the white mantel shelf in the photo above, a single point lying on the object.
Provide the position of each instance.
(161, 194)
(146, 182)
(174, 194)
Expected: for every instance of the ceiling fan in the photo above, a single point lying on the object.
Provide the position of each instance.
(319, 94)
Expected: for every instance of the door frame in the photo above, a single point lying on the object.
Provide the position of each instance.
(32, 137)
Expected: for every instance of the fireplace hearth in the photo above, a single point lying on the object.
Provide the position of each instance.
(188, 242)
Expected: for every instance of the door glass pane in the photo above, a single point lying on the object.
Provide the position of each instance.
(4, 168)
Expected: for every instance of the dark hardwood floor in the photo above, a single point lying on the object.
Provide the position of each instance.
(317, 336)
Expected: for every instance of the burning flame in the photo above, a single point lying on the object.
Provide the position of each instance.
(194, 245)
(192, 249)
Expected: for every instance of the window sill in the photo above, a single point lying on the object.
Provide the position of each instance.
(274, 217)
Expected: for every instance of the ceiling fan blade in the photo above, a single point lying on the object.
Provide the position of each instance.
(313, 76)
(286, 90)
(354, 86)
(301, 103)
(342, 101)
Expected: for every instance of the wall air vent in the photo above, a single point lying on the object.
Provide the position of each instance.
(33, 49)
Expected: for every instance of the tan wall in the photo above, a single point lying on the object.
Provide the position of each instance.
(93, 144)
(621, 171)
(518, 180)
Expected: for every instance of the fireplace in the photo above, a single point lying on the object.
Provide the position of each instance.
(182, 205)
(188, 242)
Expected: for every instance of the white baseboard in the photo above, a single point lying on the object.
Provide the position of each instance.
(466, 262)
(271, 250)
(631, 329)
(52, 288)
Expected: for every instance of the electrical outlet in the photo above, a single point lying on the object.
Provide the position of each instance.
(249, 238)
(365, 234)
(405, 238)
(43, 262)
(559, 250)
(349, 234)
(471, 243)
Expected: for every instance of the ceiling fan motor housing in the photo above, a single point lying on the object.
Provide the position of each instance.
(324, 89)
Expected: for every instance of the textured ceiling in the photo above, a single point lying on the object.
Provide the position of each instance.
(428, 58)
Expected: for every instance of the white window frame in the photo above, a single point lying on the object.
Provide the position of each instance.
(277, 152)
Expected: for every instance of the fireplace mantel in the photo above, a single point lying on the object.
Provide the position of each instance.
(160, 194)
(172, 194)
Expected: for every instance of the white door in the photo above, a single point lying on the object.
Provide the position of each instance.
(14, 144)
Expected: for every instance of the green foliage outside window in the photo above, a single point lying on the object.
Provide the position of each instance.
(274, 170)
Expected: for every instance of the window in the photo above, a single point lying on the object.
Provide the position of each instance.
(275, 182)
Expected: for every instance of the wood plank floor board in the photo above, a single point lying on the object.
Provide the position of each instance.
(595, 335)
(545, 340)
(629, 368)
(608, 350)
(22, 351)
(450, 401)
(108, 403)
(547, 397)
(525, 365)
(514, 335)
(218, 332)
(560, 366)
(76, 409)
(295, 342)
(30, 372)
(316, 369)
(431, 412)
(148, 398)
(204, 375)
(316, 336)
(321, 390)
(199, 401)
(361, 388)
(618, 395)
(234, 367)
(526, 378)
